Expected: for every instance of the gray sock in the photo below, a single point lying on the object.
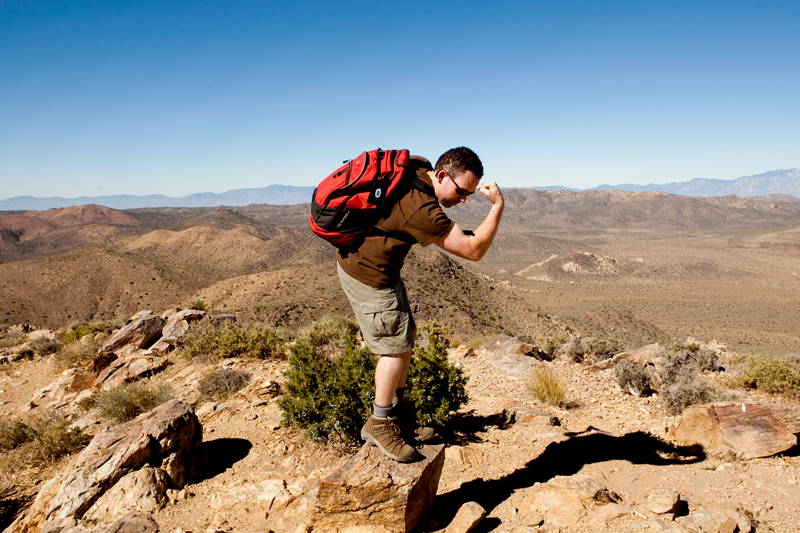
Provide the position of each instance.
(379, 411)
(399, 396)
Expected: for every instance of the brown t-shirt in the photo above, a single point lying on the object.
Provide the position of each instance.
(378, 260)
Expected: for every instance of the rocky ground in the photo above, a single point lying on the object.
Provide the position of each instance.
(529, 465)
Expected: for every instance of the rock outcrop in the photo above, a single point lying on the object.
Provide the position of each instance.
(169, 436)
(372, 490)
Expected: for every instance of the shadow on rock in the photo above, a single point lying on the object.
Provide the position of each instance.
(564, 459)
(12, 503)
(220, 454)
(464, 427)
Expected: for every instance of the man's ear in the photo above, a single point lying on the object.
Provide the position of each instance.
(441, 175)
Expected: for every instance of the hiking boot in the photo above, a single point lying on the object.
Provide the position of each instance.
(384, 433)
(406, 416)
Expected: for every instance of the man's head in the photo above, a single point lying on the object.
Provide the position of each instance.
(456, 175)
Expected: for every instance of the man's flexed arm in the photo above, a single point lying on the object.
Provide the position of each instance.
(474, 247)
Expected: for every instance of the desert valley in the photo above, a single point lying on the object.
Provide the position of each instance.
(632, 269)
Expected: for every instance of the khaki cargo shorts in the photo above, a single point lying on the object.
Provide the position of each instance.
(384, 315)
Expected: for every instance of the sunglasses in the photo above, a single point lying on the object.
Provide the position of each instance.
(459, 190)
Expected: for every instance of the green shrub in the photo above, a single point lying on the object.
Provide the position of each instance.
(329, 332)
(436, 387)
(230, 339)
(129, 400)
(544, 384)
(333, 396)
(40, 439)
(633, 378)
(79, 331)
(770, 374)
(198, 303)
(222, 384)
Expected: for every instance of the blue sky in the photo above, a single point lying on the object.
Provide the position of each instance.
(175, 97)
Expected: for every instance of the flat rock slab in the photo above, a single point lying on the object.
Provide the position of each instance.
(138, 334)
(371, 490)
(748, 430)
(129, 368)
(509, 355)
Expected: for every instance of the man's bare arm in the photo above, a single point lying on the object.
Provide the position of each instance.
(475, 246)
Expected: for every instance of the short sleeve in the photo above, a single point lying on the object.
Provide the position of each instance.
(428, 223)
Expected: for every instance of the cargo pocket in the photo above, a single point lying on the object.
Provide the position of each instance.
(385, 316)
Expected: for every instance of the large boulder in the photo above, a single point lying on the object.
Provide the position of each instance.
(140, 333)
(372, 491)
(168, 434)
(129, 368)
(509, 355)
(747, 429)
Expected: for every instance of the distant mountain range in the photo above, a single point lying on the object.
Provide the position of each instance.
(773, 182)
(272, 194)
(768, 183)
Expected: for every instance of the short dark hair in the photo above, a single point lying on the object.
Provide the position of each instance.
(458, 160)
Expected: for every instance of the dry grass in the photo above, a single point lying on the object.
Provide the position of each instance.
(545, 385)
(221, 384)
(39, 439)
(770, 374)
(129, 400)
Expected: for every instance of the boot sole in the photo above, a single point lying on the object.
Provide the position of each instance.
(366, 437)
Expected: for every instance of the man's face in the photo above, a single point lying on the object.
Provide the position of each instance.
(450, 187)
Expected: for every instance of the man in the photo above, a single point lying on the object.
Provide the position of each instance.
(370, 277)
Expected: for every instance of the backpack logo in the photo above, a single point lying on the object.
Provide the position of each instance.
(377, 193)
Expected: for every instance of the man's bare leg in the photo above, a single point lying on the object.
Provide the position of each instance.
(391, 373)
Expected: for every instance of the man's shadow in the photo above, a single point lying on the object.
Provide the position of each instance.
(564, 458)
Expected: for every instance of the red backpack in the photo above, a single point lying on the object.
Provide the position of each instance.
(347, 204)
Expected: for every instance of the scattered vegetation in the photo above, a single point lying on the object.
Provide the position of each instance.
(10, 342)
(770, 374)
(79, 331)
(681, 383)
(436, 387)
(198, 303)
(604, 348)
(223, 383)
(544, 384)
(229, 339)
(328, 332)
(332, 396)
(634, 378)
(574, 349)
(129, 400)
(548, 346)
(39, 439)
(43, 346)
(78, 350)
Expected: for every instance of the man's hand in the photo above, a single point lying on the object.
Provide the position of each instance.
(492, 192)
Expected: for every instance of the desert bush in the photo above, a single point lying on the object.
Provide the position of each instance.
(78, 331)
(683, 385)
(10, 342)
(76, 352)
(13, 434)
(544, 384)
(223, 383)
(477, 341)
(333, 396)
(574, 349)
(549, 346)
(770, 374)
(604, 348)
(230, 339)
(129, 400)
(436, 387)
(330, 331)
(633, 378)
(198, 303)
(688, 388)
(40, 438)
(44, 346)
